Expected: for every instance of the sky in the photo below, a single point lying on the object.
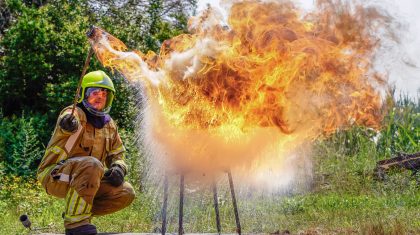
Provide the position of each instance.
(403, 62)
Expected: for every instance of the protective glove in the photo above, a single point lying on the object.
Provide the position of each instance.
(115, 175)
(69, 123)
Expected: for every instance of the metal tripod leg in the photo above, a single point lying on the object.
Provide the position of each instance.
(181, 205)
(216, 206)
(165, 203)
(235, 206)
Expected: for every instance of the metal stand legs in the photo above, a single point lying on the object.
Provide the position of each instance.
(181, 205)
(215, 203)
(165, 203)
(235, 206)
(216, 207)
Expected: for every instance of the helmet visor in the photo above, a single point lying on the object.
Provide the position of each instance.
(99, 98)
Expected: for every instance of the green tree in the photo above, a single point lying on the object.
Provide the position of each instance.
(143, 24)
(42, 50)
(43, 53)
(45, 47)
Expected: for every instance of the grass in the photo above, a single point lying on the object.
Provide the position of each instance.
(391, 207)
(19, 196)
(344, 197)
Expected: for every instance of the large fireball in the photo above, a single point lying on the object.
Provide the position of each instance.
(250, 93)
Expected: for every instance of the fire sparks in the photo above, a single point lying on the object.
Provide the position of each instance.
(248, 93)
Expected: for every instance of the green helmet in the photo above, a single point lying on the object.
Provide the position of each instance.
(98, 79)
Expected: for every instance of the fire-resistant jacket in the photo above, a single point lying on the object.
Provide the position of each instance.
(104, 144)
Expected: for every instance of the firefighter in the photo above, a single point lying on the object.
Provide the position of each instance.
(84, 160)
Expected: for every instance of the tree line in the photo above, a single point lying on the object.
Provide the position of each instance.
(42, 50)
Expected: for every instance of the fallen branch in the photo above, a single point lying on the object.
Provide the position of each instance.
(402, 160)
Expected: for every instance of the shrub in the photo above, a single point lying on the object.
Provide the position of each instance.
(21, 145)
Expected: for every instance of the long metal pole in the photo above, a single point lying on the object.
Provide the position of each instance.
(216, 206)
(87, 61)
(181, 205)
(165, 203)
(235, 206)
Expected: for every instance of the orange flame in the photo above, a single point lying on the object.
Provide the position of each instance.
(249, 93)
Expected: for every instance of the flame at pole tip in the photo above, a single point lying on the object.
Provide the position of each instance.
(248, 94)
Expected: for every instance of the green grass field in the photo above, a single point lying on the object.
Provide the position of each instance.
(332, 207)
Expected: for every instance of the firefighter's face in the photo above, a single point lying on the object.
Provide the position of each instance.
(97, 98)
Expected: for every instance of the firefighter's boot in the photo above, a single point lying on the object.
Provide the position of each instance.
(87, 229)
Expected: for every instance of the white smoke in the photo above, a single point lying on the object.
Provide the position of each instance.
(188, 62)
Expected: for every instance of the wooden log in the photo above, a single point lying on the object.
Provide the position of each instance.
(402, 160)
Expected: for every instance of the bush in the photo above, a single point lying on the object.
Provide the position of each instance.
(21, 144)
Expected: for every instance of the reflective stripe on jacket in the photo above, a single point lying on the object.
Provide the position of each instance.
(104, 144)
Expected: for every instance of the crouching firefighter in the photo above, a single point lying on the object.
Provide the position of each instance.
(84, 160)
